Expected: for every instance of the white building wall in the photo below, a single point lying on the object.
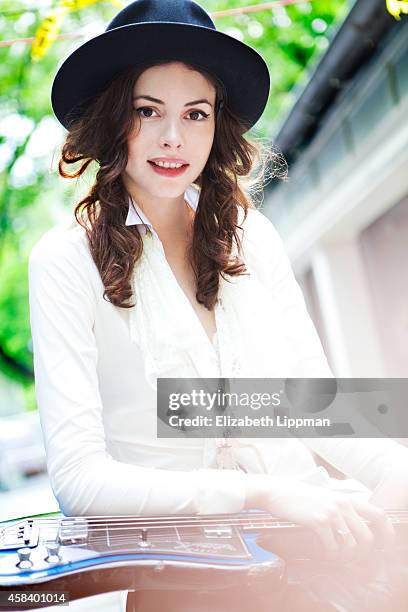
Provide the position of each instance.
(323, 209)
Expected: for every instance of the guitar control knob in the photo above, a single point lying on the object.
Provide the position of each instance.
(53, 552)
(24, 561)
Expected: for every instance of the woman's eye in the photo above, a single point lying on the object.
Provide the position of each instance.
(199, 112)
(142, 109)
(147, 109)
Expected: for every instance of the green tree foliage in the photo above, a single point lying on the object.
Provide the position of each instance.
(33, 198)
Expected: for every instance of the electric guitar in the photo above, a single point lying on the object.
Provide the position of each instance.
(49, 556)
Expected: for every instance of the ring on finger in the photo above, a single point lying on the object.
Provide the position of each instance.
(342, 533)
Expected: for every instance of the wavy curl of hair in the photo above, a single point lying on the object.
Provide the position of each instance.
(100, 134)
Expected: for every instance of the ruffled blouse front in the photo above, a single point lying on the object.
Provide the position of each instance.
(249, 342)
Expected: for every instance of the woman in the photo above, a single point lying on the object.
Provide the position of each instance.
(170, 271)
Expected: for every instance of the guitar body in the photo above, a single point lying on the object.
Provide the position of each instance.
(84, 556)
(44, 556)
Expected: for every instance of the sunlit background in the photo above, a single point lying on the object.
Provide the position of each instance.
(337, 110)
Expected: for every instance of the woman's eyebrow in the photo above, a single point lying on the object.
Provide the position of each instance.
(203, 100)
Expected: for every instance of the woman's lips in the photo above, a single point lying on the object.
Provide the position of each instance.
(168, 171)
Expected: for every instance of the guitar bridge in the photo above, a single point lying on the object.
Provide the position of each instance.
(21, 534)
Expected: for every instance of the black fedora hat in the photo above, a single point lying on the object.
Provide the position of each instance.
(154, 30)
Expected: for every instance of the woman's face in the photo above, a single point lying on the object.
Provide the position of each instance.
(178, 124)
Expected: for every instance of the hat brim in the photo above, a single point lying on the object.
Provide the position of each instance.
(91, 67)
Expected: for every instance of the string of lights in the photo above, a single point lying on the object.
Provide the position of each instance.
(252, 8)
(47, 33)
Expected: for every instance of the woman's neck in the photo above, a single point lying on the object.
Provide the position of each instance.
(171, 218)
(179, 231)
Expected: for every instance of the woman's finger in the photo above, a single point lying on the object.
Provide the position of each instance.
(363, 535)
(379, 523)
(346, 541)
(323, 526)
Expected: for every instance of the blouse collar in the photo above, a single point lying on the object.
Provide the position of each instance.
(136, 216)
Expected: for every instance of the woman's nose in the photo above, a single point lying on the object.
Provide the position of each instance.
(171, 134)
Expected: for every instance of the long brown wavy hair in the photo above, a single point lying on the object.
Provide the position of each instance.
(100, 134)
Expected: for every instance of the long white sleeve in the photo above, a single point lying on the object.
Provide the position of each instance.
(84, 477)
(270, 260)
(369, 460)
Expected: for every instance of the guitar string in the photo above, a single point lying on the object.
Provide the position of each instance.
(94, 535)
(196, 519)
(94, 538)
(193, 522)
(151, 521)
(137, 524)
(249, 525)
(159, 523)
(164, 525)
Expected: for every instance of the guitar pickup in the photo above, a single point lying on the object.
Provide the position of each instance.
(218, 531)
(73, 531)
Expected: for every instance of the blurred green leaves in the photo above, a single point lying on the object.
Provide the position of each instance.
(33, 198)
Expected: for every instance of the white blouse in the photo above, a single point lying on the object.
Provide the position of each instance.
(96, 369)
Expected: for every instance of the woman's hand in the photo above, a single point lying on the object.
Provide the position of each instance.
(348, 528)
